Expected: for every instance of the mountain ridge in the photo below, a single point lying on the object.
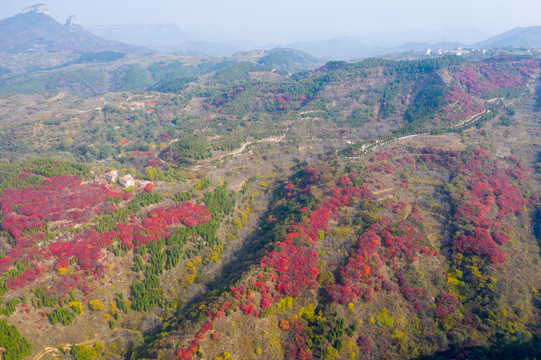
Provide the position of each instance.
(35, 30)
(528, 36)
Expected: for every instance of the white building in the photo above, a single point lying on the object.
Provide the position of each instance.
(126, 180)
(111, 175)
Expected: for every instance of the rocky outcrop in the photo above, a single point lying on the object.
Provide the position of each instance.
(72, 20)
(38, 8)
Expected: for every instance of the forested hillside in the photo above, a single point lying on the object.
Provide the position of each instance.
(359, 210)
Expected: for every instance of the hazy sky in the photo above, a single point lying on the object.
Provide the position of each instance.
(282, 21)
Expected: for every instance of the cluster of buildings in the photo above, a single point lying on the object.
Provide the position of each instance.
(139, 105)
(458, 51)
(126, 180)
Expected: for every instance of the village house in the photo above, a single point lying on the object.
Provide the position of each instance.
(111, 175)
(126, 180)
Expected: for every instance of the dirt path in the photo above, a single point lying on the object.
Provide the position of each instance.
(380, 144)
(270, 139)
(57, 97)
(96, 339)
(462, 123)
(48, 350)
(309, 112)
(378, 192)
(234, 153)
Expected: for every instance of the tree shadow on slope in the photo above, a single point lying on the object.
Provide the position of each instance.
(536, 211)
(240, 261)
(526, 350)
(536, 224)
(189, 314)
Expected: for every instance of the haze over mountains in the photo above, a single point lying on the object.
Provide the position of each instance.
(34, 29)
(169, 38)
(519, 37)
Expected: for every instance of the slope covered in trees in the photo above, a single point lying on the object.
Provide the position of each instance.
(367, 210)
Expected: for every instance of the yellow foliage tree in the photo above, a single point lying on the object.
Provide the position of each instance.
(95, 305)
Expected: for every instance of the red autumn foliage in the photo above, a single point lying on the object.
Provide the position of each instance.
(296, 347)
(291, 267)
(486, 77)
(344, 181)
(480, 243)
(148, 187)
(63, 198)
(365, 343)
(382, 242)
(86, 248)
(485, 186)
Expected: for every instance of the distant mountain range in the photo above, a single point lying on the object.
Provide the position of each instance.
(199, 48)
(152, 36)
(170, 39)
(341, 48)
(165, 38)
(518, 37)
(347, 48)
(35, 30)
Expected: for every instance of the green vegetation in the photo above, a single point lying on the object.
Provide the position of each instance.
(86, 352)
(16, 346)
(339, 258)
(176, 85)
(131, 77)
(191, 147)
(165, 254)
(102, 56)
(110, 220)
(162, 71)
(15, 175)
(288, 60)
(62, 315)
(426, 104)
(237, 73)
(358, 118)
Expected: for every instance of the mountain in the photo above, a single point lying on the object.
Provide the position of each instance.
(165, 38)
(152, 36)
(290, 60)
(200, 48)
(99, 72)
(284, 59)
(340, 48)
(519, 36)
(420, 47)
(34, 30)
(393, 39)
(348, 48)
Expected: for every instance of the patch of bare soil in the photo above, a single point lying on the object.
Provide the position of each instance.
(446, 141)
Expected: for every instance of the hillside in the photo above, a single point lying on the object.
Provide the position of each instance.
(93, 73)
(356, 210)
